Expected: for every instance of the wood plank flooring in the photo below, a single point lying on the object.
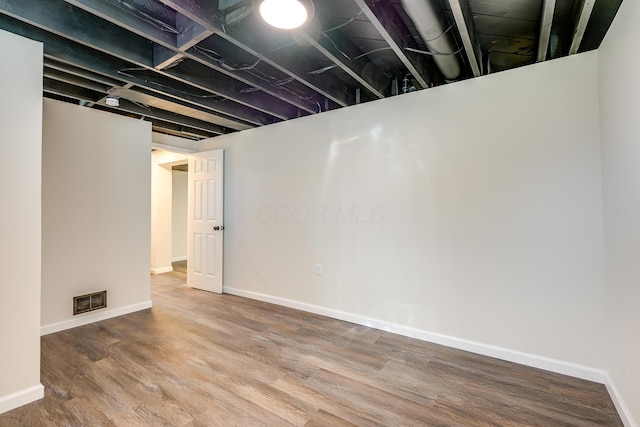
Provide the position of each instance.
(200, 359)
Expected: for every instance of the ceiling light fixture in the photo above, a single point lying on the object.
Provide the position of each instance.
(286, 14)
(112, 101)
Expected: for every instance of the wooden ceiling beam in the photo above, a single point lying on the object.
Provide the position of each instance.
(546, 22)
(167, 116)
(62, 76)
(178, 130)
(81, 72)
(82, 27)
(582, 19)
(204, 12)
(386, 20)
(345, 55)
(170, 48)
(65, 54)
(464, 21)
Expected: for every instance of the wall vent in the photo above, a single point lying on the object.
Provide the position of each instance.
(89, 302)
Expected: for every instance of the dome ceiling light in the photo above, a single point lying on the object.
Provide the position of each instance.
(286, 14)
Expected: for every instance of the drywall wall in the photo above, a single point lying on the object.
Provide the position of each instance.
(179, 191)
(161, 211)
(619, 107)
(20, 231)
(96, 212)
(468, 214)
(174, 144)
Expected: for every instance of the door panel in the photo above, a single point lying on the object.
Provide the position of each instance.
(206, 174)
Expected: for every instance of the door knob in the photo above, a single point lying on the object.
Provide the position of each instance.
(218, 227)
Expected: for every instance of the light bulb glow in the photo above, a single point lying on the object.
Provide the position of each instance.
(284, 14)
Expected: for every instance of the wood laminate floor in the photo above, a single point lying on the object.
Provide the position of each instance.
(200, 359)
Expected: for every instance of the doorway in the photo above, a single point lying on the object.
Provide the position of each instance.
(162, 175)
(179, 209)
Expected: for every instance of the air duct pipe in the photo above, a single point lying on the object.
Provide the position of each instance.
(429, 19)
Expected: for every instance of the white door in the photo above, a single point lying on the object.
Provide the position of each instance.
(205, 228)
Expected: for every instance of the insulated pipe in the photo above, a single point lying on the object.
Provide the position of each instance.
(429, 19)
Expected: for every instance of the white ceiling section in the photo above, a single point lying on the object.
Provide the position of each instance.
(202, 68)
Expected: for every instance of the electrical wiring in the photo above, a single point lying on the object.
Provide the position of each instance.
(202, 49)
(322, 70)
(285, 81)
(141, 105)
(122, 71)
(174, 63)
(349, 21)
(251, 69)
(337, 48)
(281, 84)
(275, 49)
(223, 63)
(380, 49)
(344, 24)
(255, 72)
(294, 93)
(330, 67)
(441, 34)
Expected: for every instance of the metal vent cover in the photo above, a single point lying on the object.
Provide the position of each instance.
(89, 302)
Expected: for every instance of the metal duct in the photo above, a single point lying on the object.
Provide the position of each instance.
(429, 19)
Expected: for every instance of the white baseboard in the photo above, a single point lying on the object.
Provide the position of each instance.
(161, 270)
(623, 410)
(95, 316)
(20, 398)
(179, 258)
(548, 364)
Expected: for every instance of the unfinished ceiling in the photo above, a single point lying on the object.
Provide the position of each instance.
(202, 68)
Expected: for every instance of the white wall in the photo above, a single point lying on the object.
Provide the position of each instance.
(179, 215)
(174, 144)
(619, 109)
(161, 211)
(96, 212)
(468, 214)
(20, 230)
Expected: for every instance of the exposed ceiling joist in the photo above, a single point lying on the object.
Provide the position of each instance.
(464, 22)
(63, 88)
(584, 13)
(546, 22)
(166, 53)
(176, 129)
(85, 95)
(81, 72)
(346, 56)
(166, 116)
(200, 68)
(390, 26)
(191, 33)
(81, 60)
(204, 11)
(172, 46)
(112, 12)
(59, 75)
(71, 22)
